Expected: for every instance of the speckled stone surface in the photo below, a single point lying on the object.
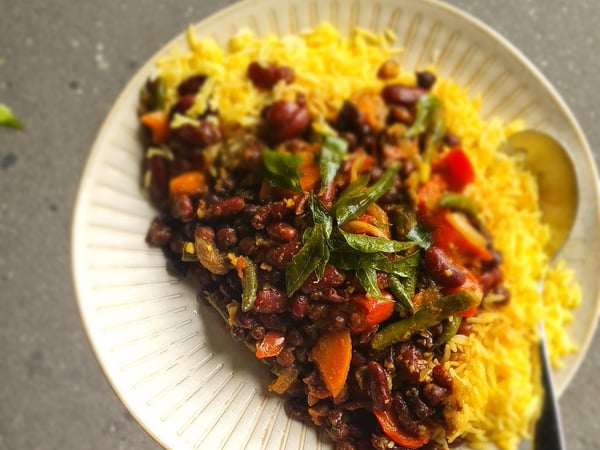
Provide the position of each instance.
(62, 65)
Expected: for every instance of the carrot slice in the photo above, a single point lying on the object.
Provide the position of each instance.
(190, 183)
(271, 345)
(158, 123)
(392, 430)
(331, 354)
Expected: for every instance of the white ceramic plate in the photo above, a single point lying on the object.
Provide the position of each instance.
(168, 359)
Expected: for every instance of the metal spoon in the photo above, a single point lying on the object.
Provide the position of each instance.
(558, 200)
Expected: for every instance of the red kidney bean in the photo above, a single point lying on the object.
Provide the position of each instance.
(286, 120)
(286, 357)
(435, 394)
(159, 183)
(403, 414)
(191, 85)
(182, 208)
(226, 237)
(419, 408)
(182, 105)
(202, 135)
(271, 300)
(426, 79)
(225, 207)
(265, 77)
(280, 255)
(377, 386)
(442, 269)
(401, 114)
(441, 376)
(332, 276)
(282, 231)
(158, 233)
(299, 306)
(410, 363)
(399, 94)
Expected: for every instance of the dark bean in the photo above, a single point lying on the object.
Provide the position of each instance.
(182, 208)
(299, 306)
(294, 338)
(225, 207)
(410, 363)
(490, 279)
(248, 246)
(182, 105)
(286, 357)
(331, 277)
(435, 394)
(399, 94)
(202, 135)
(403, 414)
(273, 321)
(158, 233)
(451, 140)
(317, 311)
(441, 376)
(258, 332)
(426, 79)
(226, 237)
(420, 409)
(286, 120)
(377, 386)
(282, 231)
(205, 233)
(271, 300)
(191, 85)
(349, 118)
(279, 256)
(442, 269)
(265, 77)
(158, 188)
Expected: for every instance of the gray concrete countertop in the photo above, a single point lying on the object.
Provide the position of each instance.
(62, 65)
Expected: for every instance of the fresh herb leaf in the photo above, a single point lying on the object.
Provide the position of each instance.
(355, 200)
(308, 259)
(373, 244)
(282, 169)
(333, 150)
(7, 118)
(421, 235)
(402, 290)
(368, 280)
(402, 266)
(320, 215)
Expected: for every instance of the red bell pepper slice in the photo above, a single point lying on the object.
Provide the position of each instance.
(457, 169)
(371, 311)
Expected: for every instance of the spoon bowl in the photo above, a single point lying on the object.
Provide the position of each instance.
(554, 171)
(558, 200)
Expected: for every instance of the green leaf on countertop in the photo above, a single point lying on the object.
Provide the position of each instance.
(7, 118)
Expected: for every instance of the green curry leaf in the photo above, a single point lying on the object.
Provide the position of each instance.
(372, 244)
(356, 198)
(309, 258)
(333, 150)
(282, 169)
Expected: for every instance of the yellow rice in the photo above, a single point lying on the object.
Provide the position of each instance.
(497, 395)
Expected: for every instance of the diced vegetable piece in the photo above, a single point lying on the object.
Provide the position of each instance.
(458, 169)
(332, 354)
(158, 123)
(392, 429)
(469, 238)
(284, 380)
(247, 268)
(187, 183)
(459, 202)
(271, 345)
(426, 317)
(449, 329)
(371, 311)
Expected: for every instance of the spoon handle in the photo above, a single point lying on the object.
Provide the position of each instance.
(548, 433)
